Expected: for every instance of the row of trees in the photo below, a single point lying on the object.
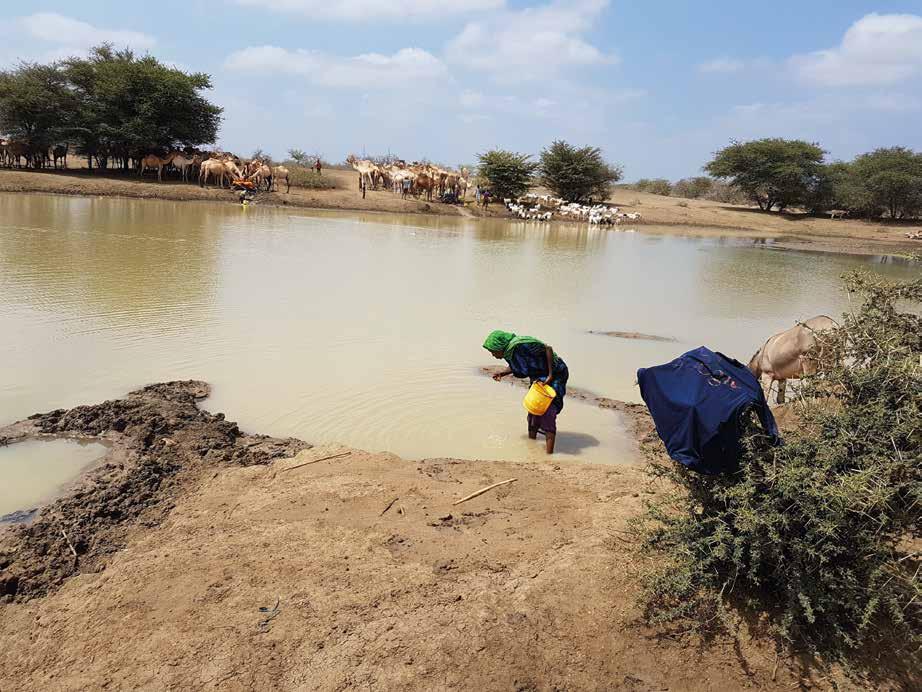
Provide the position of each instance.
(779, 174)
(574, 173)
(110, 105)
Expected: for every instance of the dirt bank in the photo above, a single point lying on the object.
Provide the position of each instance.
(345, 196)
(218, 560)
(660, 215)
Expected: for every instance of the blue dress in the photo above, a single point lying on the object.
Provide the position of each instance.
(530, 360)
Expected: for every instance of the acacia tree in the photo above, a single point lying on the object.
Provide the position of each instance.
(577, 173)
(130, 105)
(37, 105)
(890, 180)
(770, 172)
(507, 173)
(298, 156)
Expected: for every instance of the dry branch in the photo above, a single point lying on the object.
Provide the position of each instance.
(316, 461)
(483, 490)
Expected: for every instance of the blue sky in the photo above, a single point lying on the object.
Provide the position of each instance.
(659, 85)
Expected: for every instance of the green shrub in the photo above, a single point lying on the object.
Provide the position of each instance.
(820, 534)
(305, 177)
(508, 174)
(693, 188)
(577, 173)
(655, 186)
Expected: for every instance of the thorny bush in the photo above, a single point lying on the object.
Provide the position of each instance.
(819, 537)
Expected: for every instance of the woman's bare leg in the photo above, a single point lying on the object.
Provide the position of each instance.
(550, 439)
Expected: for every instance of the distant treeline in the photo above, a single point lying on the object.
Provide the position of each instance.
(780, 174)
(111, 106)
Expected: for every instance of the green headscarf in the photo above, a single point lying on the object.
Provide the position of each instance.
(505, 342)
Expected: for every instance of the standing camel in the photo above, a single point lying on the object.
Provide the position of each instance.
(792, 354)
(259, 172)
(218, 170)
(60, 153)
(184, 164)
(151, 162)
(282, 173)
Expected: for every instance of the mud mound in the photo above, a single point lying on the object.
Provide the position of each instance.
(158, 434)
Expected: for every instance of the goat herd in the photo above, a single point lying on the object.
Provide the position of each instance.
(545, 207)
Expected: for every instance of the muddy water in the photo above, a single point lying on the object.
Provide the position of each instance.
(35, 470)
(364, 328)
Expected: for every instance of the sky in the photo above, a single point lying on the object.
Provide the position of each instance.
(657, 85)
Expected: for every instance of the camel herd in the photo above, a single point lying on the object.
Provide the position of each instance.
(17, 154)
(411, 179)
(217, 167)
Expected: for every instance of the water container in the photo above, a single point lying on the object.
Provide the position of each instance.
(539, 398)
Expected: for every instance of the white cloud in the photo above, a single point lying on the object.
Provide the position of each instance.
(405, 68)
(878, 49)
(369, 10)
(531, 43)
(722, 66)
(56, 28)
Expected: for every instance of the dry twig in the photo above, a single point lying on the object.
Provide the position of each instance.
(316, 461)
(483, 490)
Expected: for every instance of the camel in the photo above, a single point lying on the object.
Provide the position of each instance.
(366, 169)
(425, 183)
(790, 354)
(60, 153)
(152, 161)
(219, 169)
(15, 151)
(258, 172)
(281, 173)
(184, 164)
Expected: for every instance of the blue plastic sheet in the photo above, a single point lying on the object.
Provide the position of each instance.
(698, 402)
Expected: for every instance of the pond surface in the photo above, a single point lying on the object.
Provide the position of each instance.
(365, 329)
(34, 471)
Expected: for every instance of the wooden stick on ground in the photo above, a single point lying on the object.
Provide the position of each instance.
(70, 545)
(483, 490)
(316, 461)
(389, 505)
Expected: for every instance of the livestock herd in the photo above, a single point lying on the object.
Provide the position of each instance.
(17, 154)
(412, 179)
(218, 167)
(545, 208)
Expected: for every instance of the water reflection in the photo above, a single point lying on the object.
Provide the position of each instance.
(365, 328)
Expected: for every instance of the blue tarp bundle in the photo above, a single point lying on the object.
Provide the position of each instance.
(697, 402)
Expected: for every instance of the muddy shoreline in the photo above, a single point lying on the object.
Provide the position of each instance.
(157, 436)
(200, 556)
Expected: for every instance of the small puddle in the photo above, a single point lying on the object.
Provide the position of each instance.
(35, 471)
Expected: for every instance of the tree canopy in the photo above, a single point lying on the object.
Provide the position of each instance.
(111, 103)
(507, 173)
(576, 173)
(888, 180)
(771, 172)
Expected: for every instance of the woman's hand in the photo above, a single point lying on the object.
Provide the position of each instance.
(500, 375)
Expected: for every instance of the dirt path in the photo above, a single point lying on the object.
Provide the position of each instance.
(245, 567)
